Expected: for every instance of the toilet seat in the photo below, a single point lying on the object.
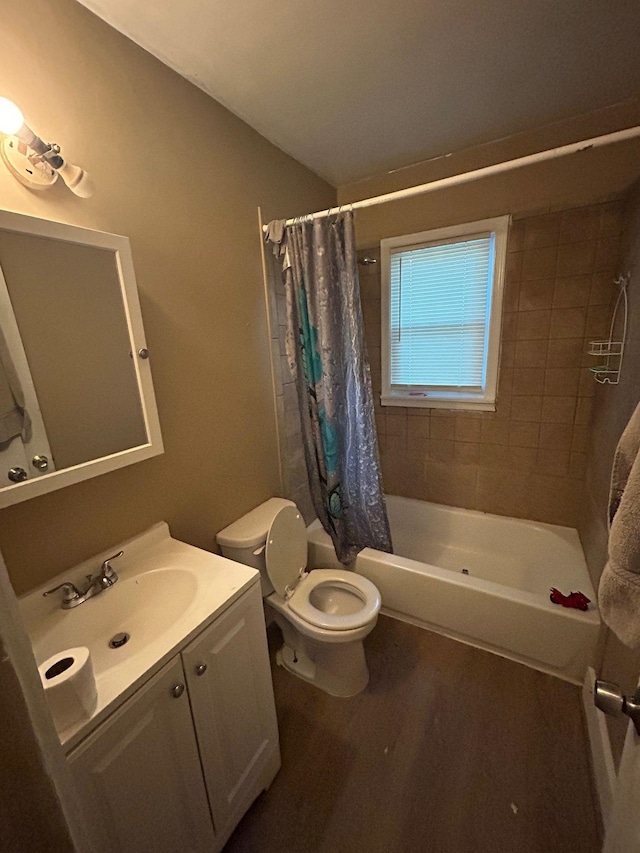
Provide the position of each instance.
(322, 581)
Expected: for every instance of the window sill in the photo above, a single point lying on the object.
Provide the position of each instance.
(439, 403)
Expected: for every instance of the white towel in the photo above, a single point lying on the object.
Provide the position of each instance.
(619, 591)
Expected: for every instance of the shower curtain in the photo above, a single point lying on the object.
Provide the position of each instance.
(326, 353)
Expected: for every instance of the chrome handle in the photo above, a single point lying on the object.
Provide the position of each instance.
(177, 690)
(40, 462)
(17, 475)
(106, 569)
(201, 669)
(143, 352)
(608, 697)
(69, 591)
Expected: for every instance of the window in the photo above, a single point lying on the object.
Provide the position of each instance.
(441, 313)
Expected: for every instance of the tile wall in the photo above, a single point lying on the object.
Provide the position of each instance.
(528, 459)
(613, 406)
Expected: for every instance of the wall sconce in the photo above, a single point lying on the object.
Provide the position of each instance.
(35, 163)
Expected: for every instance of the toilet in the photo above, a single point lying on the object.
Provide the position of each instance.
(324, 614)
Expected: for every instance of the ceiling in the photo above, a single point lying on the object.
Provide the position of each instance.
(357, 88)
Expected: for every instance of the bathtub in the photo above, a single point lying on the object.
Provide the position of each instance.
(482, 579)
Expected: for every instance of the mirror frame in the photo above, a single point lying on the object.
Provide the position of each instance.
(120, 246)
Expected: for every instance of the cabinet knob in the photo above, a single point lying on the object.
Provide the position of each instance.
(201, 669)
(177, 690)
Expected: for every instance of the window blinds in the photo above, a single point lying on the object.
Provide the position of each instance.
(440, 304)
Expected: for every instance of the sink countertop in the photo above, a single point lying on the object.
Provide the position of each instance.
(167, 592)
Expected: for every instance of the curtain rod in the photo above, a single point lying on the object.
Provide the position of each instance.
(485, 171)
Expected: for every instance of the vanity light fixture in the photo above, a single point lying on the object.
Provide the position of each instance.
(33, 162)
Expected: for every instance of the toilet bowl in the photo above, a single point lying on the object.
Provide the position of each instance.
(324, 614)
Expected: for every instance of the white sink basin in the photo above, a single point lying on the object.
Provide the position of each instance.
(165, 593)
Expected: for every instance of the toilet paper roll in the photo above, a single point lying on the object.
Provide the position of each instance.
(70, 686)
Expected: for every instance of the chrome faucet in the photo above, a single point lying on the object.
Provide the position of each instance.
(72, 596)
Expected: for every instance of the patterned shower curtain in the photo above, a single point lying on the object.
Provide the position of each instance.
(326, 352)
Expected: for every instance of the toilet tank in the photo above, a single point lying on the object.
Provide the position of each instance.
(244, 540)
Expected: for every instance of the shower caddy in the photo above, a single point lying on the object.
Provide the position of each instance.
(612, 350)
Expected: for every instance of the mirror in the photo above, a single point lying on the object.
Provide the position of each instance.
(76, 396)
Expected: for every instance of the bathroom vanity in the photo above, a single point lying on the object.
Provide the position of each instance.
(184, 736)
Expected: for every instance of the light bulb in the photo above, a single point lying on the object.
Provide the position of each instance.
(11, 118)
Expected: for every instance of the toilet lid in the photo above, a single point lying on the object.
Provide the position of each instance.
(286, 550)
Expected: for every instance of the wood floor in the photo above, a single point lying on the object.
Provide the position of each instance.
(448, 750)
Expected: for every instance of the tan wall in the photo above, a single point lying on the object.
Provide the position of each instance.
(182, 178)
(528, 458)
(573, 181)
(613, 406)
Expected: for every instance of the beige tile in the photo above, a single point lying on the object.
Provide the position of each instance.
(527, 381)
(530, 353)
(515, 240)
(598, 322)
(495, 431)
(587, 384)
(396, 425)
(611, 218)
(536, 294)
(505, 381)
(558, 410)
(509, 325)
(440, 449)
(565, 352)
(513, 268)
(507, 353)
(581, 437)
(584, 408)
(511, 299)
(417, 434)
(567, 322)
(582, 223)
(396, 444)
(607, 254)
(555, 436)
(504, 492)
(524, 434)
(503, 406)
(522, 458)
(578, 465)
(467, 429)
(572, 291)
(533, 325)
(576, 258)
(541, 231)
(553, 462)
(443, 427)
(561, 381)
(454, 485)
(493, 456)
(602, 288)
(539, 263)
(526, 408)
(555, 500)
(466, 452)
(403, 474)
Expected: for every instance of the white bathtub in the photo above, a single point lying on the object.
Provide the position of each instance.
(502, 604)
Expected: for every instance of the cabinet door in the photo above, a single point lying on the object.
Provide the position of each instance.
(138, 776)
(229, 680)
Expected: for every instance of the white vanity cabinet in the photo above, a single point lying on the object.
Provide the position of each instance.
(229, 680)
(177, 765)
